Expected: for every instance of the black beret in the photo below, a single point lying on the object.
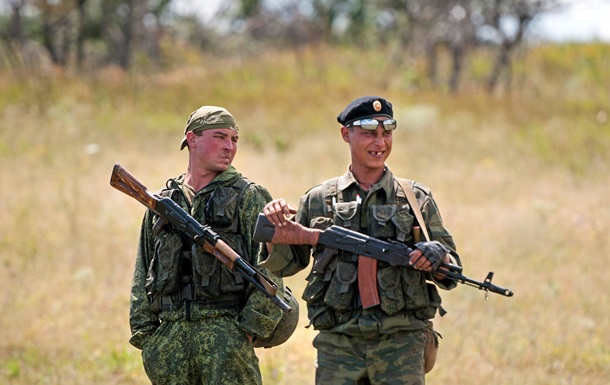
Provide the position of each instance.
(365, 107)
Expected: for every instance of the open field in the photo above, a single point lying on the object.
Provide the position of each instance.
(521, 179)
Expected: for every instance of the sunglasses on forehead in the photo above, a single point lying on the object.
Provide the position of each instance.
(371, 124)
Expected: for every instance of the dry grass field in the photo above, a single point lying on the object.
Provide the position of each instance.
(521, 178)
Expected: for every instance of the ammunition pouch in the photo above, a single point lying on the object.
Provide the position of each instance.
(342, 288)
(210, 277)
(431, 347)
(390, 290)
(345, 214)
(164, 276)
(320, 315)
(390, 221)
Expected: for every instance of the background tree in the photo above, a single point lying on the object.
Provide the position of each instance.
(504, 25)
(443, 34)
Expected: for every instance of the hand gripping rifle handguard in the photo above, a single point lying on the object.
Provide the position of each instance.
(340, 238)
(202, 235)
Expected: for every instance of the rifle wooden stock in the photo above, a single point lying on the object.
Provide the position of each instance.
(126, 183)
(202, 235)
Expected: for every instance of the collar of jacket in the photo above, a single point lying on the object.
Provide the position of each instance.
(227, 177)
(386, 182)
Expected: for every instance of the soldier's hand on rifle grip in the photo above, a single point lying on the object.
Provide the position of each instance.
(418, 261)
(278, 212)
(427, 256)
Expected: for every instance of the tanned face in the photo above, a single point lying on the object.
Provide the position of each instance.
(369, 148)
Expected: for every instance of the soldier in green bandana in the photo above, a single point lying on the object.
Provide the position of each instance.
(366, 336)
(194, 319)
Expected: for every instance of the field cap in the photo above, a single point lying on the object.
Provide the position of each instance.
(365, 107)
(206, 118)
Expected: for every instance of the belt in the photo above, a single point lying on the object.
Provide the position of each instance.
(227, 301)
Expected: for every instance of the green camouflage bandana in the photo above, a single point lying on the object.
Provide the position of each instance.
(208, 117)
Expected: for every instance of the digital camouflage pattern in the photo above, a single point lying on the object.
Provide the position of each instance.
(221, 331)
(287, 325)
(407, 300)
(210, 351)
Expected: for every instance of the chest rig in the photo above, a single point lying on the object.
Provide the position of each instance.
(348, 282)
(332, 196)
(368, 293)
(181, 271)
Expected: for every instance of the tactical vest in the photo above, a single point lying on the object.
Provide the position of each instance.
(332, 290)
(181, 270)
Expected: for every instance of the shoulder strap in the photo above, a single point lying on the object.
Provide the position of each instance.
(172, 189)
(240, 185)
(406, 186)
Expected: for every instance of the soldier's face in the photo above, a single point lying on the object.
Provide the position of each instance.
(214, 149)
(369, 148)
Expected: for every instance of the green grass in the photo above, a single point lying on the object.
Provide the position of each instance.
(520, 177)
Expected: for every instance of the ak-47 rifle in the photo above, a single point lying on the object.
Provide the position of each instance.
(202, 235)
(394, 253)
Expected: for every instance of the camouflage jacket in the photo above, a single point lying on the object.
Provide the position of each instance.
(407, 300)
(257, 316)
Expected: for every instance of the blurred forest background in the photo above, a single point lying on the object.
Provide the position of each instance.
(511, 133)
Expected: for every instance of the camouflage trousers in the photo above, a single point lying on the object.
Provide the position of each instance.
(209, 351)
(396, 358)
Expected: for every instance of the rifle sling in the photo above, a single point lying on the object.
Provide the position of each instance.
(410, 194)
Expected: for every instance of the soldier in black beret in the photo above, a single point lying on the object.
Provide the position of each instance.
(374, 319)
